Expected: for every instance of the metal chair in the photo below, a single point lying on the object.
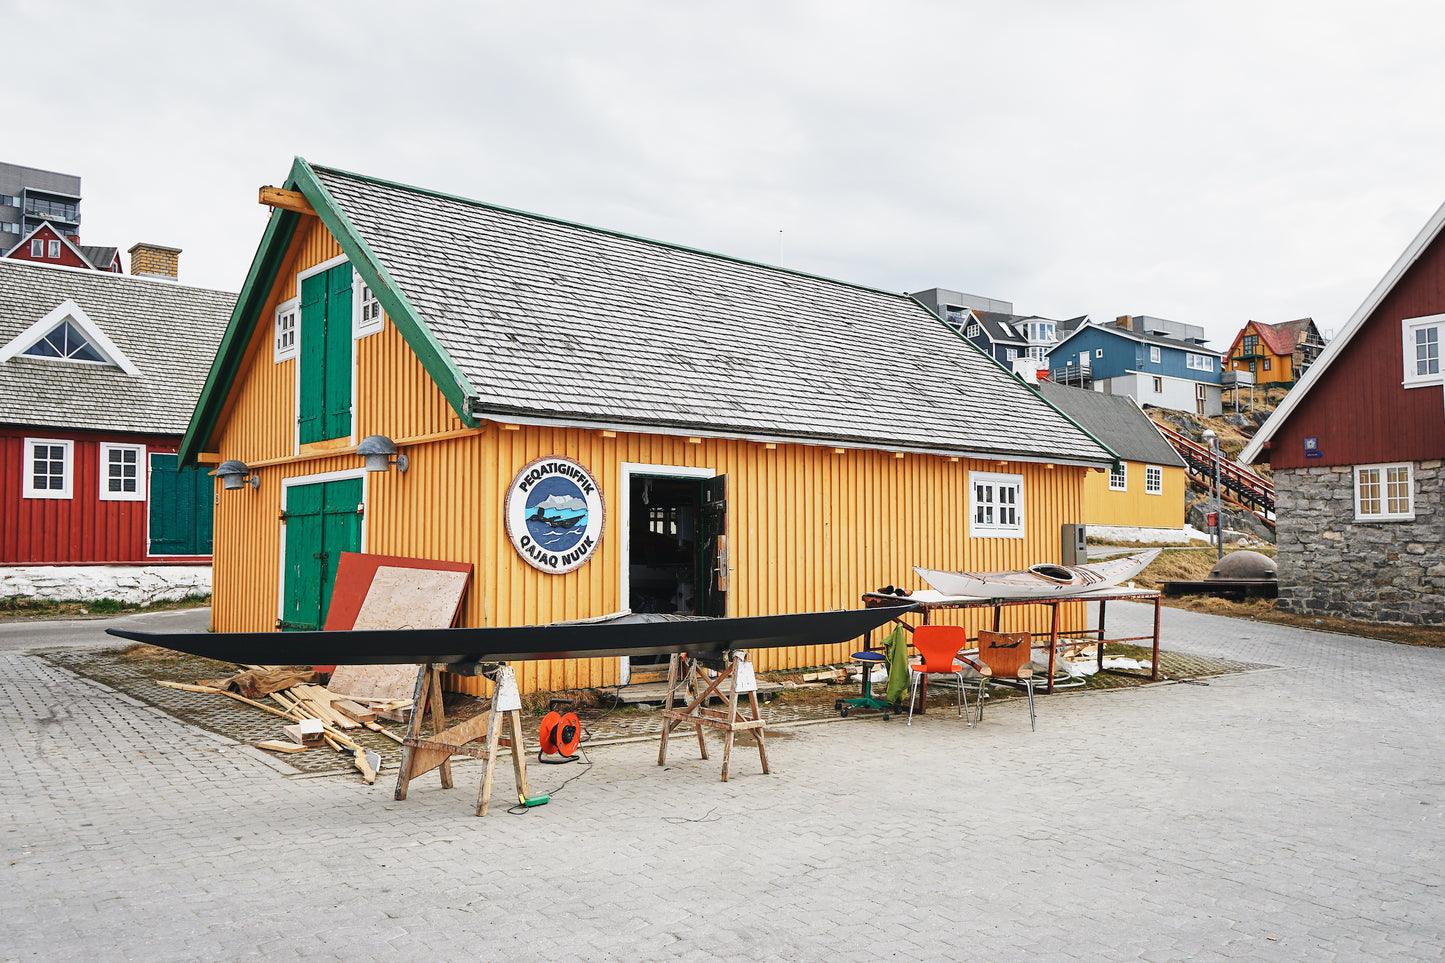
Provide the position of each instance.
(939, 646)
(1006, 655)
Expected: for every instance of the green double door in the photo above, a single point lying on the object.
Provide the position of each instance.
(322, 521)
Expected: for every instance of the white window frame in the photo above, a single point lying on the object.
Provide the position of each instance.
(1408, 328)
(28, 489)
(1383, 480)
(364, 302)
(1199, 362)
(1010, 354)
(106, 495)
(1122, 485)
(1153, 480)
(1154, 354)
(287, 322)
(37, 247)
(972, 330)
(1098, 352)
(993, 506)
(54, 249)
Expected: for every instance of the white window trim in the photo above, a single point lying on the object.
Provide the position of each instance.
(293, 308)
(28, 489)
(1408, 327)
(53, 249)
(1384, 516)
(1199, 362)
(69, 310)
(1154, 354)
(995, 530)
(1098, 352)
(1154, 474)
(296, 380)
(1123, 485)
(360, 328)
(106, 495)
(37, 247)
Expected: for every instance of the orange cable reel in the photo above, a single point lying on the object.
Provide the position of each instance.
(560, 736)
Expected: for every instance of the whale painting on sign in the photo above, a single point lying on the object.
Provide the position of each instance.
(625, 633)
(1038, 581)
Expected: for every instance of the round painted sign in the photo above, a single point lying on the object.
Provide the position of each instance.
(554, 514)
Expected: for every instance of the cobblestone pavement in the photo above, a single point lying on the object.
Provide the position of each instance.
(1282, 814)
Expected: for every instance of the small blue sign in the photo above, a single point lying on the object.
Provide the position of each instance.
(1312, 448)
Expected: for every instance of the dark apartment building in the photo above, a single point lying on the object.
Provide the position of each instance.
(30, 197)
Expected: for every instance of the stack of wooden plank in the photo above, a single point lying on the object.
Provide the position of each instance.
(336, 714)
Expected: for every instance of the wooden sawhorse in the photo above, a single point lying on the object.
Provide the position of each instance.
(734, 669)
(423, 755)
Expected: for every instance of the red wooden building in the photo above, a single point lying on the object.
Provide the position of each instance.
(1356, 450)
(46, 245)
(98, 376)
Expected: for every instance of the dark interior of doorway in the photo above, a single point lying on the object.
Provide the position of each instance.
(665, 555)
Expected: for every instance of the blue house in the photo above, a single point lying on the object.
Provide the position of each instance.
(1153, 360)
(992, 325)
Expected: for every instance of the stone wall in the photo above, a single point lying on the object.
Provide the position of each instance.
(132, 584)
(1330, 564)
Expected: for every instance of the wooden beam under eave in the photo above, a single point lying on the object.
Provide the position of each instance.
(286, 200)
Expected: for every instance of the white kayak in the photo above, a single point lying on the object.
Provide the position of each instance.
(1038, 581)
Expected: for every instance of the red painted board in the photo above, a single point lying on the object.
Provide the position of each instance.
(353, 580)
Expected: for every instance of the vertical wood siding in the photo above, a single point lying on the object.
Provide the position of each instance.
(1359, 410)
(1135, 506)
(82, 528)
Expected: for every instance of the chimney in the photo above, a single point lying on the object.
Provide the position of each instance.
(1028, 369)
(155, 260)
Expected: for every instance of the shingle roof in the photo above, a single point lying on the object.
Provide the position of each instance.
(1116, 421)
(1281, 338)
(1000, 327)
(548, 319)
(168, 331)
(1146, 338)
(100, 258)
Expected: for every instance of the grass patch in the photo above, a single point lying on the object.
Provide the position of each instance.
(21, 608)
(1184, 565)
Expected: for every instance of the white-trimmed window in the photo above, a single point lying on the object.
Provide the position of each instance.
(996, 504)
(1384, 493)
(972, 331)
(286, 330)
(122, 473)
(55, 249)
(1119, 477)
(1098, 352)
(1422, 337)
(1153, 480)
(37, 248)
(1010, 354)
(368, 309)
(49, 468)
(1154, 353)
(1199, 362)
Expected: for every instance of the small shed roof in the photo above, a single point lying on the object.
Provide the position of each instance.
(166, 331)
(1116, 420)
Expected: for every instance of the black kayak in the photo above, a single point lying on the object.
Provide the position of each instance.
(627, 634)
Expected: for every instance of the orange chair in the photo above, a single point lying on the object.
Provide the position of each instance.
(939, 645)
(1006, 655)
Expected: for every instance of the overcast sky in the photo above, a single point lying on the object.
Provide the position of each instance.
(1208, 163)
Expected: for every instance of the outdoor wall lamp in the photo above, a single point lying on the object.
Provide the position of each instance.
(377, 451)
(234, 474)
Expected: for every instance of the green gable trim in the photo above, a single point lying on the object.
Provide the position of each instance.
(259, 280)
(453, 385)
(266, 266)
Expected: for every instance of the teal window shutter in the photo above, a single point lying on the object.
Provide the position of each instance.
(311, 400)
(339, 340)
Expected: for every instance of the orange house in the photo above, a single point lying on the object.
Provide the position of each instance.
(1276, 353)
(600, 422)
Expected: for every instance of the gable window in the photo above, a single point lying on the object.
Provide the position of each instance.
(1200, 362)
(122, 477)
(65, 341)
(972, 331)
(37, 248)
(1153, 480)
(55, 249)
(1119, 477)
(1154, 353)
(284, 333)
(325, 344)
(47, 468)
(996, 504)
(1421, 338)
(368, 309)
(1249, 345)
(1384, 493)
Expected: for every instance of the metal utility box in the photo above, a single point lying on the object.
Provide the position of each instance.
(1076, 544)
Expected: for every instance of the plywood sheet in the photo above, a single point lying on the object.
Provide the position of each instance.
(390, 592)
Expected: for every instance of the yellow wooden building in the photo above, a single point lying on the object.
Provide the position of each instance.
(600, 422)
(1276, 353)
(1147, 488)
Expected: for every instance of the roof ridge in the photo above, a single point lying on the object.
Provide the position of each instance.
(109, 275)
(902, 295)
